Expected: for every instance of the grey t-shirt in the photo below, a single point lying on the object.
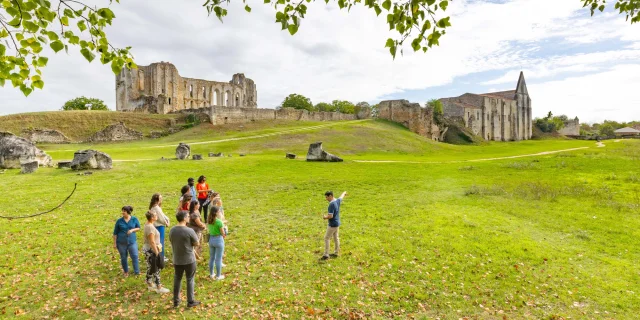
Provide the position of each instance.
(182, 240)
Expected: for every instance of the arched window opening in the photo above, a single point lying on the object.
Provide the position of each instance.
(226, 99)
(215, 98)
(169, 100)
(191, 92)
(237, 99)
(204, 92)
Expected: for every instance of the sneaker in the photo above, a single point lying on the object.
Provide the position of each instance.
(220, 277)
(333, 255)
(176, 304)
(162, 290)
(166, 260)
(151, 286)
(212, 276)
(193, 304)
(324, 258)
(222, 265)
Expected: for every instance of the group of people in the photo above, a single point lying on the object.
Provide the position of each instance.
(189, 235)
(187, 238)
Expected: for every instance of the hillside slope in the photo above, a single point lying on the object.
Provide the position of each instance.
(80, 125)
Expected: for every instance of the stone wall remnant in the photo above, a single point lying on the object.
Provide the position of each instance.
(91, 159)
(411, 115)
(183, 151)
(223, 115)
(290, 156)
(571, 127)
(64, 164)
(14, 150)
(116, 132)
(196, 157)
(316, 153)
(45, 136)
(29, 167)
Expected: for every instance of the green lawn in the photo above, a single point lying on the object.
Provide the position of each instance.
(550, 236)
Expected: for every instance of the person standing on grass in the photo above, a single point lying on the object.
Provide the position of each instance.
(162, 221)
(151, 250)
(183, 239)
(192, 188)
(197, 225)
(203, 194)
(124, 240)
(333, 216)
(216, 243)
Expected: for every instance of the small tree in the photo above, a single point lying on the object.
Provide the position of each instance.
(607, 130)
(323, 106)
(297, 101)
(84, 103)
(344, 106)
(438, 113)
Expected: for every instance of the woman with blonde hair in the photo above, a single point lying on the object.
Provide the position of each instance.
(162, 221)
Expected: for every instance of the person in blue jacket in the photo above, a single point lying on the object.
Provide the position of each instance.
(124, 239)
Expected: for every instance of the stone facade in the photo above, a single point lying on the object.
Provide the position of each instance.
(498, 116)
(44, 136)
(159, 88)
(222, 115)
(571, 128)
(115, 132)
(411, 115)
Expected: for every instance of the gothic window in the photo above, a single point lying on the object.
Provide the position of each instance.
(237, 99)
(204, 93)
(169, 100)
(215, 98)
(191, 92)
(477, 115)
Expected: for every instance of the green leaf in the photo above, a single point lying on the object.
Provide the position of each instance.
(444, 5)
(1, 82)
(52, 35)
(57, 45)
(38, 84)
(81, 25)
(292, 29)
(24, 73)
(42, 61)
(26, 90)
(3, 49)
(247, 8)
(378, 10)
(106, 13)
(116, 67)
(390, 43)
(64, 21)
(87, 54)
(387, 4)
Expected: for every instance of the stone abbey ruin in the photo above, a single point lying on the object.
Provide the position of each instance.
(159, 88)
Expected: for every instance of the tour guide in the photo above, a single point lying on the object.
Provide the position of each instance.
(333, 216)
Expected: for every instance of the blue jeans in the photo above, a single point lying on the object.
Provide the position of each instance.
(132, 250)
(161, 230)
(216, 249)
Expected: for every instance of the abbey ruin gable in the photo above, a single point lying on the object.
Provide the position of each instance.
(159, 88)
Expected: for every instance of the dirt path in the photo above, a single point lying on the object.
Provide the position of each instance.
(474, 160)
(600, 145)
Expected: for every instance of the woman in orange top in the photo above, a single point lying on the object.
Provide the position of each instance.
(202, 188)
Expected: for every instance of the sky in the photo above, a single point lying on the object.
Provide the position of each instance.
(573, 63)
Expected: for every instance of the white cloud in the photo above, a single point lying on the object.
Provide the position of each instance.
(335, 55)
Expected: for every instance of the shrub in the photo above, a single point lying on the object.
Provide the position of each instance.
(297, 101)
(84, 103)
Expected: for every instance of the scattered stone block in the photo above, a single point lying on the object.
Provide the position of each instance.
(183, 151)
(116, 132)
(29, 167)
(64, 164)
(291, 156)
(91, 159)
(242, 154)
(219, 154)
(45, 136)
(196, 157)
(316, 153)
(15, 150)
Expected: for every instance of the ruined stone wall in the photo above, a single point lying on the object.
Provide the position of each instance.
(159, 88)
(222, 115)
(571, 128)
(116, 132)
(44, 136)
(410, 115)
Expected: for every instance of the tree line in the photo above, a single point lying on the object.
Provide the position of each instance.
(300, 102)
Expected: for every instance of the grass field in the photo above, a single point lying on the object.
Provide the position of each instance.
(552, 236)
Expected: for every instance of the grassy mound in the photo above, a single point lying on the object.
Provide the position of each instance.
(80, 125)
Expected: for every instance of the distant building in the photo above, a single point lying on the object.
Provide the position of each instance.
(159, 88)
(571, 128)
(498, 116)
(626, 132)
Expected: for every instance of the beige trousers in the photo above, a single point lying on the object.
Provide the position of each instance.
(332, 232)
